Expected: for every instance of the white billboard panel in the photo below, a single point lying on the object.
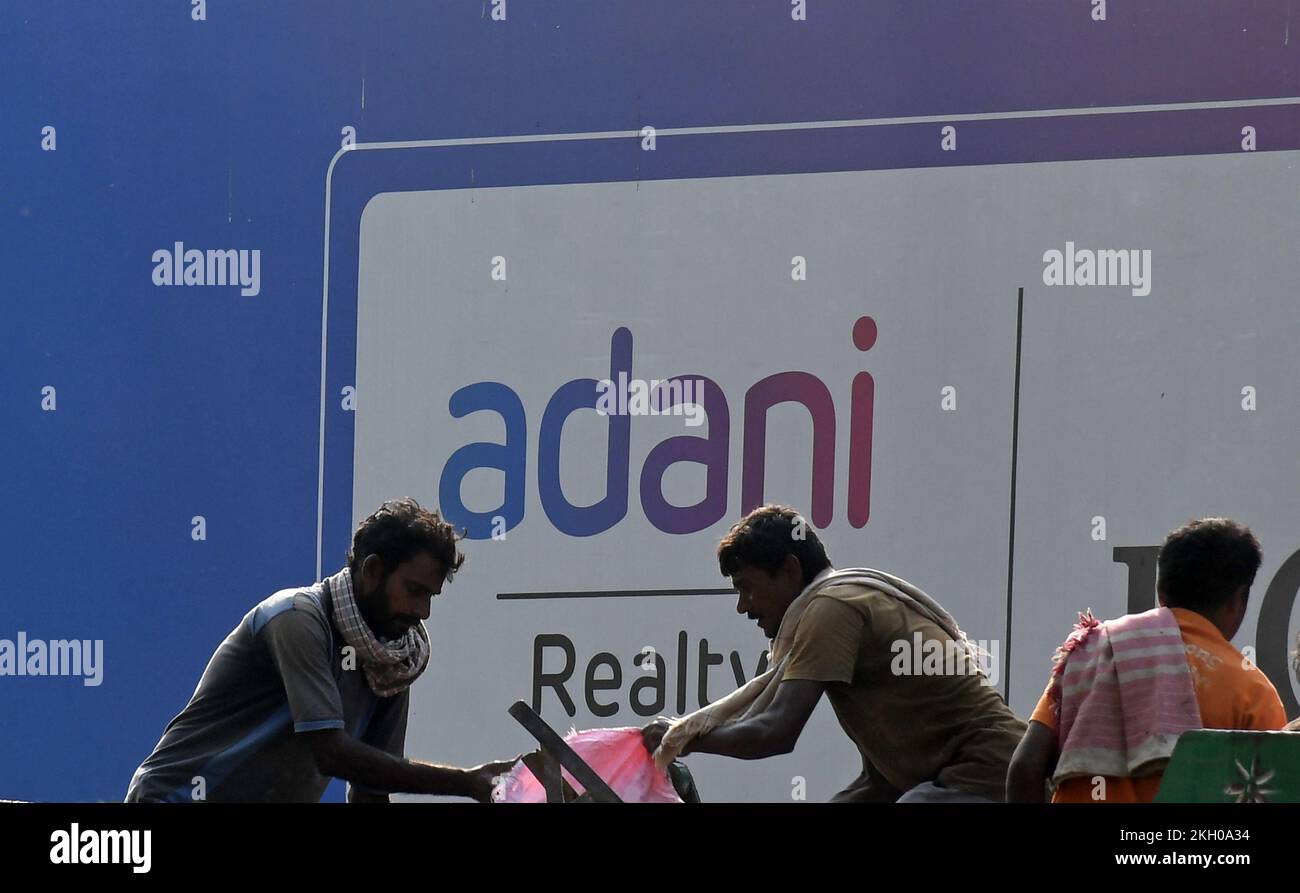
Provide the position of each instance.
(857, 334)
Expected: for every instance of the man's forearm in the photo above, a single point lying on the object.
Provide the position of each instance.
(379, 770)
(1025, 785)
(1031, 765)
(750, 739)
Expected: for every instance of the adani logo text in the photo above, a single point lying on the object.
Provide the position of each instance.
(711, 450)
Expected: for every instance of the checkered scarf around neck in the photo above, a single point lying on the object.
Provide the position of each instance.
(390, 667)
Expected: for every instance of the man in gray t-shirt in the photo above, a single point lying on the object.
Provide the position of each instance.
(314, 683)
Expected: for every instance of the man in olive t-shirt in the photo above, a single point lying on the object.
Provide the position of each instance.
(923, 737)
(950, 729)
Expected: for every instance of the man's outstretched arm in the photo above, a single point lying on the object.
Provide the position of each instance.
(770, 733)
(340, 755)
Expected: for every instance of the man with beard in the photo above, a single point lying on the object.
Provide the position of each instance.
(314, 683)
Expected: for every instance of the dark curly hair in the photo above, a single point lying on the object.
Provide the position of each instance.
(1204, 562)
(765, 536)
(399, 529)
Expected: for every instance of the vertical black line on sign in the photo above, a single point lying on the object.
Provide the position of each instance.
(1011, 539)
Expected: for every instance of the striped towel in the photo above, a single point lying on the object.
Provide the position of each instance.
(1124, 694)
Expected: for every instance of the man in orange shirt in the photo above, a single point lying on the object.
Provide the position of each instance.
(1206, 569)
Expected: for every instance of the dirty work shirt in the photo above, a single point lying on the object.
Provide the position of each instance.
(278, 674)
(1230, 694)
(950, 729)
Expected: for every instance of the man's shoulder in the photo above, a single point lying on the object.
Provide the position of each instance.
(849, 592)
(307, 600)
(1231, 667)
(838, 604)
(1253, 694)
(839, 597)
(1258, 686)
(1208, 645)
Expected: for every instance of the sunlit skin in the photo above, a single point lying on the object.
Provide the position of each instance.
(392, 606)
(765, 597)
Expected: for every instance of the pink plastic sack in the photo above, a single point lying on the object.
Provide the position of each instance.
(616, 755)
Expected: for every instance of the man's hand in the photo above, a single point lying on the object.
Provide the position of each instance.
(483, 780)
(340, 755)
(654, 732)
